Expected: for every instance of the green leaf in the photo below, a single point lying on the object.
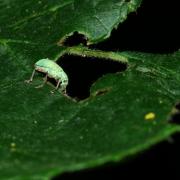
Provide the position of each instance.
(54, 134)
(47, 23)
(43, 134)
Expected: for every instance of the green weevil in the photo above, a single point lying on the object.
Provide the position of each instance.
(52, 70)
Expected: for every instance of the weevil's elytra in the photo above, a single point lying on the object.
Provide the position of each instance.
(52, 70)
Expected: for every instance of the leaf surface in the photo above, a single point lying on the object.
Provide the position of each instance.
(43, 134)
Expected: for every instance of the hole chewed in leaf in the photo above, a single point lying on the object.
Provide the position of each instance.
(84, 71)
(73, 39)
(175, 116)
(178, 106)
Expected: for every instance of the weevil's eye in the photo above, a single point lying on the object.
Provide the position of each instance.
(64, 81)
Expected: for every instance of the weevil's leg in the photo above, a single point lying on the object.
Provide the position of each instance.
(57, 86)
(45, 80)
(31, 78)
(58, 83)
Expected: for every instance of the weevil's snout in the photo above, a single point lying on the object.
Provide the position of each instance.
(39, 69)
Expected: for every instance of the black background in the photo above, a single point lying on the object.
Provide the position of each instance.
(153, 28)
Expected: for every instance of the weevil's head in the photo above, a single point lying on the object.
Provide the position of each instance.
(42, 62)
(42, 65)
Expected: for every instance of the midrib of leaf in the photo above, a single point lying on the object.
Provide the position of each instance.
(39, 14)
(6, 41)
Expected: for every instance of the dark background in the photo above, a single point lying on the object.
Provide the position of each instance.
(153, 28)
